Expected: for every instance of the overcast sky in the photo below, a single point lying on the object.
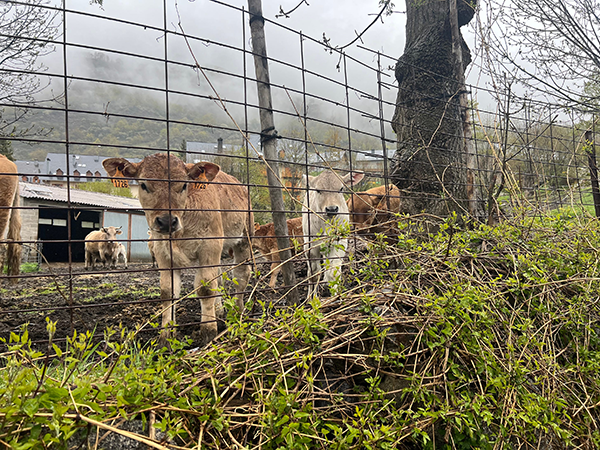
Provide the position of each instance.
(337, 18)
(340, 20)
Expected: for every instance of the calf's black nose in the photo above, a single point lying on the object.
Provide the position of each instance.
(332, 210)
(166, 223)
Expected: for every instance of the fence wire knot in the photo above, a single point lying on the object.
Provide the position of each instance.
(268, 134)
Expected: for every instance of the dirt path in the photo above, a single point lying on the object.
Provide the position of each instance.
(79, 300)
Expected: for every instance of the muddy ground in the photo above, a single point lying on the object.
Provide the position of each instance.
(81, 301)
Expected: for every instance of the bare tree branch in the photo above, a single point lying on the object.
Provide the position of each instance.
(285, 14)
(27, 32)
(551, 47)
(387, 5)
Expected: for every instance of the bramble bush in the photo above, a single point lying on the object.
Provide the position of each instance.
(467, 337)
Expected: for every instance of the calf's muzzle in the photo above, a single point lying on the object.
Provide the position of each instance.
(332, 210)
(166, 224)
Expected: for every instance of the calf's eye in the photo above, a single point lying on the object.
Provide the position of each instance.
(144, 187)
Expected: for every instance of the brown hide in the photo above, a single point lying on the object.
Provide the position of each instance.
(195, 212)
(151, 249)
(101, 245)
(10, 218)
(372, 207)
(265, 241)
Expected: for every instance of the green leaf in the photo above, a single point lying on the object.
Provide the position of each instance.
(55, 394)
(282, 421)
(31, 406)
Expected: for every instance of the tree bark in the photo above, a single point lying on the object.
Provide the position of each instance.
(430, 163)
(269, 146)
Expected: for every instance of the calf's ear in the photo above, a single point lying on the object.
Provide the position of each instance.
(306, 179)
(353, 178)
(120, 167)
(256, 226)
(202, 171)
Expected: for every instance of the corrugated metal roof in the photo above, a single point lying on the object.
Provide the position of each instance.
(88, 167)
(58, 194)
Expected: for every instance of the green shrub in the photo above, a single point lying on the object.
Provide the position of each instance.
(30, 267)
(104, 187)
(470, 337)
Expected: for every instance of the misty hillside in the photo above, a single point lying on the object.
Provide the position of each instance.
(135, 122)
(114, 119)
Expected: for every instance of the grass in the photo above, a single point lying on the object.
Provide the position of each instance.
(470, 337)
(25, 268)
(104, 291)
(105, 187)
(30, 268)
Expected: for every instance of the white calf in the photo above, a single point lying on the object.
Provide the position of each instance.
(120, 255)
(324, 206)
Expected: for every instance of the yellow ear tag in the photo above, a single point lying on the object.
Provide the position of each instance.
(121, 182)
(201, 183)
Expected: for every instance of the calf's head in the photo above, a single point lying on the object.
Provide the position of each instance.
(164, 183)
(263, 230)
(110, 233)
(325, 192)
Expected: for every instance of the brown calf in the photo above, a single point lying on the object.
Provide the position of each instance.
(194, 212)
(151, 249)
(101, 245)
(265, 241)
(10, 218)
(373, 207)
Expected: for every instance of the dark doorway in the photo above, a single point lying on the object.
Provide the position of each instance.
(54, 232)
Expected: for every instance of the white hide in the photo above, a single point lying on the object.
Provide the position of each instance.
(324, 206)
(121, 255)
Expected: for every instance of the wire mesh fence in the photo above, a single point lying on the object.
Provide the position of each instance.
(155, 86)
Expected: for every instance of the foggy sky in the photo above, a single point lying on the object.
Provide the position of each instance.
(340, 20)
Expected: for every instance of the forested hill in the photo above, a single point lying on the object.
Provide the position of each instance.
(103, 116)
(96, 124)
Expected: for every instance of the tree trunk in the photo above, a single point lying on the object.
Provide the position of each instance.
(430, 163)
(269, 147)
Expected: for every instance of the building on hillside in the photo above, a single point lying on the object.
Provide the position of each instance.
(208, 151)
(53, 171)
(49, 213)
(372, 161)
(30, 171)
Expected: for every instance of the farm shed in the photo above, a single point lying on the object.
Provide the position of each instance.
(46, 214)
(372, 160)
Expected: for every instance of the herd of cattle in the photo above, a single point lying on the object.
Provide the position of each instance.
(196, 213)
